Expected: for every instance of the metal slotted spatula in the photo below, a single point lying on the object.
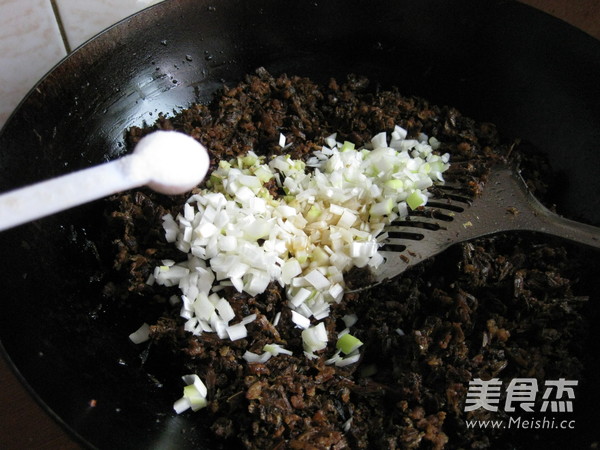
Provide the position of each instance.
(452, 216)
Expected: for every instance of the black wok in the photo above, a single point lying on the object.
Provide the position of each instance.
(498, 61)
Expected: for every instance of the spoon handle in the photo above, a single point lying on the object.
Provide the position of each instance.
(47, 197)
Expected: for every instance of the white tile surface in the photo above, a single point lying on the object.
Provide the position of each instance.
(84, 19)
(30, 44)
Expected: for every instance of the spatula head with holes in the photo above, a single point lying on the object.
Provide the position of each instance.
(455, 215)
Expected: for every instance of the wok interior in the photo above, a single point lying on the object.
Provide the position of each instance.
(500, 62)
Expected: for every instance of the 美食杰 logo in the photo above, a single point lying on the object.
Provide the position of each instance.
(522, 395)
(557, 395)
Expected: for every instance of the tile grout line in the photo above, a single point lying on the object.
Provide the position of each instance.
(61, 28)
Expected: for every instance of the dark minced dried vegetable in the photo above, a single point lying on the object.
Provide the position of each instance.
(509, 306)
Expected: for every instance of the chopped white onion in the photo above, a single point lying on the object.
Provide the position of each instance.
(248, 319)
(314, 338)
(225, 310)
(236, 233)
(256, 358)
(142, 334)
(276, 349)
(194, 395)
(317, 280)
(300, 320)
(350, 320)
(348, 360)
(237, 331)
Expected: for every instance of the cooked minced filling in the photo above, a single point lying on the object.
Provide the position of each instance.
(333, 211)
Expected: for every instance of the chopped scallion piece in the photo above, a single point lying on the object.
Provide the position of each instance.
(348, 343)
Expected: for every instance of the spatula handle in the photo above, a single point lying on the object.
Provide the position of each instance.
(508, 205)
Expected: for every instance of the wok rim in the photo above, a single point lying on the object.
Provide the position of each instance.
(125, 26)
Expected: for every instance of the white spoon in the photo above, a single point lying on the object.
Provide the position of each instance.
(168, 162)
